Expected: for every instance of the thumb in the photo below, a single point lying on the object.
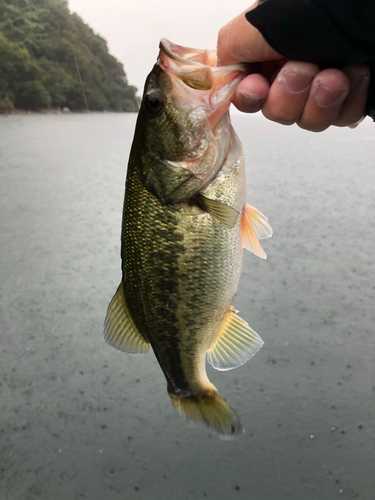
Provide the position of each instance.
(239, 41)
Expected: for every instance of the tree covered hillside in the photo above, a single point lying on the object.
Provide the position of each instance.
(51, 58)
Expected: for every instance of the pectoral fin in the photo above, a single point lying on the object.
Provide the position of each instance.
(226, 215)
(119, 328)
(254, 226)
(235, 344)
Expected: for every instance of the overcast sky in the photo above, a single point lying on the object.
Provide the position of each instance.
(133, 28)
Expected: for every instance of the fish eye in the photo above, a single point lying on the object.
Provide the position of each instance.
(154, 102)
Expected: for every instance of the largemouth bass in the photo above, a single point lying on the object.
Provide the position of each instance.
(185, 224)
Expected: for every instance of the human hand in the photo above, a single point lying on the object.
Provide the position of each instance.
(292, 91)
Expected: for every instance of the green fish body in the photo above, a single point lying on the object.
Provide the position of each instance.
(185, 224)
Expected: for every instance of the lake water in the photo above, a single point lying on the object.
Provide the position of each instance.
(80, 420)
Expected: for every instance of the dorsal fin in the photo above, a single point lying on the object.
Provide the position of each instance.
(119, 328)
(236, 343)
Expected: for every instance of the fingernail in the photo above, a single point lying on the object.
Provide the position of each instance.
(326, 96)
(250, 99)
(357, 77)
(295, 82)
(355, 125)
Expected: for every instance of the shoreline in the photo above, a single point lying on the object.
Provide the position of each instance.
(57, 112)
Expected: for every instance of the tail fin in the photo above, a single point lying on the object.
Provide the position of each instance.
(209, 407)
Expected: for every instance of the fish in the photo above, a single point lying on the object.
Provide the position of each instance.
(185, 225)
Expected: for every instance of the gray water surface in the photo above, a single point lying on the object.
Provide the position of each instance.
(80, 420)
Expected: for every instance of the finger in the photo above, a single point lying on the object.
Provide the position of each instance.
(289, 92)
(251, 93)
(353, 108)
(327, 94)
(239, 41)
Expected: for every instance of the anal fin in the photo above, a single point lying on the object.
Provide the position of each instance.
(236, 343)
(120, 330)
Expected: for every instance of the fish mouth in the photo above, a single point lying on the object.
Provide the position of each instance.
(187, 55)
(196, 57)
(202, 88)
(198, 70)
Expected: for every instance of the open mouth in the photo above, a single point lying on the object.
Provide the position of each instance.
(203, 91)
(188, 55)
(197, 68)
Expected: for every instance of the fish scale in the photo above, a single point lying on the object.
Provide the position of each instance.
(201, 288)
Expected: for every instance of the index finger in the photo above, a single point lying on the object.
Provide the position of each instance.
(240, 41)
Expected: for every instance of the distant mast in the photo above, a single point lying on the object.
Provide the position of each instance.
(80, 81)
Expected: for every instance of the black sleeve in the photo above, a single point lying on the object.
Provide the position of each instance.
(330, 33)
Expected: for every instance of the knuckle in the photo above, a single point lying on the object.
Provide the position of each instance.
(352, 121)
(278, 117)
(283, 113)
(248, 108)
(350, 114)
(313, 127)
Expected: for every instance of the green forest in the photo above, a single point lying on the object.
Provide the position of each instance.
(49, 58)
